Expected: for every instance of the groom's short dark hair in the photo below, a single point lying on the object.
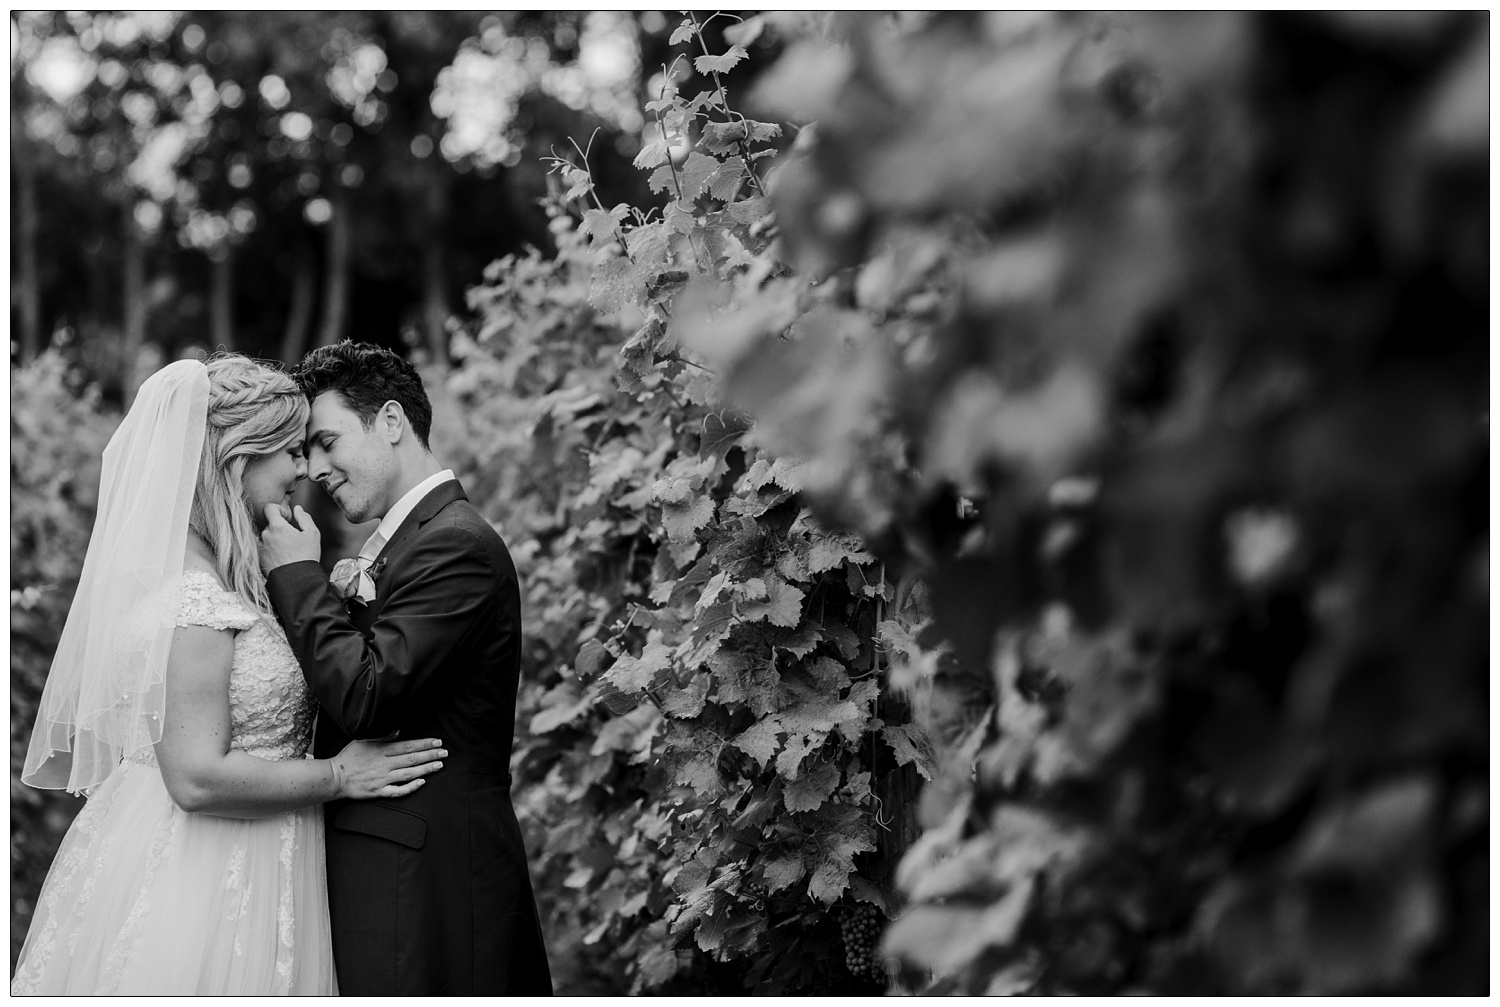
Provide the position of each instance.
(367, 377)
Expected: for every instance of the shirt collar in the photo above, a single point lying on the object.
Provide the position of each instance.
(409, 501)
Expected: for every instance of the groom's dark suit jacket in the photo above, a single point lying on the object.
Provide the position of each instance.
(428, 893)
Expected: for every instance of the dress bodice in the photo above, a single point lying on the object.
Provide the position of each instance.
(270, 710)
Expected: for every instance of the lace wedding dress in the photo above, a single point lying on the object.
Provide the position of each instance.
(145, 898)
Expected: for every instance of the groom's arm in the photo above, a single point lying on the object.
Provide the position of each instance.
(364, 682)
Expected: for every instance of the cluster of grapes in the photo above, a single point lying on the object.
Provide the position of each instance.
(861, 926)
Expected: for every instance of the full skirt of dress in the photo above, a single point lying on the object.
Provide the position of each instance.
(145, 898)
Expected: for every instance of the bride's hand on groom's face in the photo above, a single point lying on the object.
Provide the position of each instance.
(284, 541)
(366, 769)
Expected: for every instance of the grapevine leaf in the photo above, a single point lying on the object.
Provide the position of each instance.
(682, 480)
(829, 674)
(639, 352)
(681, 521)
(614, 284)
(722, 63)
(701, 773)
(864, 890)
(679, 218)
(650, 247)
(760, 741)
(856, 790)
(675, 121)
(801, 641)
(798, 745)
(724, 137)
(657, 966)
(686, 702)
(710, 932)
(910, 744)
(748, 211)
(662, 179)
(653, 153)
(783, 870)
(830, 879)
(695, 172)
(599, 226)
(782, 607)
(866, 583)
(713, 622)
(721, 431)
(667, 100)
(741, 682)
(724, 181)
(712, 590)
(760, 809)
(763, 131)
(862, 697)
(815, 787)
(631, 674)
(617, 702)
(829, 551)
(683, 32)
(577, 181)
(842, 636)
(816, 711)
(591, 657)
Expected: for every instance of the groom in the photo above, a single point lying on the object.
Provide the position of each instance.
(428, 893)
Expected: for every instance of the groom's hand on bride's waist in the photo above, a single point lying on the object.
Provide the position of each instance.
(284, 541)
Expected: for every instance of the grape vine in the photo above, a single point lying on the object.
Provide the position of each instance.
(1083, 414)
(707, 725)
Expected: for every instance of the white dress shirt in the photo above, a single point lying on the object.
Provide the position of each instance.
(403, 507)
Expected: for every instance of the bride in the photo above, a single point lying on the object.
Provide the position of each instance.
(196, 865)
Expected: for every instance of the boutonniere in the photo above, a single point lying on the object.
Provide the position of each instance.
(352, 581)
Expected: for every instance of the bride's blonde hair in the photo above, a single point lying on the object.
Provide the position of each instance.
(253, 410)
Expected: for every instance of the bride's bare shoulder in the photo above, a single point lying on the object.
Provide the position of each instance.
(199, 556)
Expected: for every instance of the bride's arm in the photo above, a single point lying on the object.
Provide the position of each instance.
(203, 774)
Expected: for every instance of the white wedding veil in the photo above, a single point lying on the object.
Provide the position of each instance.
(105, 695)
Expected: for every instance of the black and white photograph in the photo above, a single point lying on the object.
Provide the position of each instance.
(750, 503)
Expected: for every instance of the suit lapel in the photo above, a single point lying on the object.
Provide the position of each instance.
(426, 509)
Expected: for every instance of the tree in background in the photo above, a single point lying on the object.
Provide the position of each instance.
(265, 181)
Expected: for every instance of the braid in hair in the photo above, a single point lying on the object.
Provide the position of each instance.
(253, 410)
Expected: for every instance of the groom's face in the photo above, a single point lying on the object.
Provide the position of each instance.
(356, 465)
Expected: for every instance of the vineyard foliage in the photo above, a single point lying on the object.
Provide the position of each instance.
(57, 437)
(707, 737)
(1083, 411)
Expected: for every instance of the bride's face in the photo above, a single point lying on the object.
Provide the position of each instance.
(271, 479)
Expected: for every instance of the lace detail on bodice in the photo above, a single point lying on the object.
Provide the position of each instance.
(270, 709)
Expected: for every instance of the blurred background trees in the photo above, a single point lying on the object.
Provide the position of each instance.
(269, 181)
